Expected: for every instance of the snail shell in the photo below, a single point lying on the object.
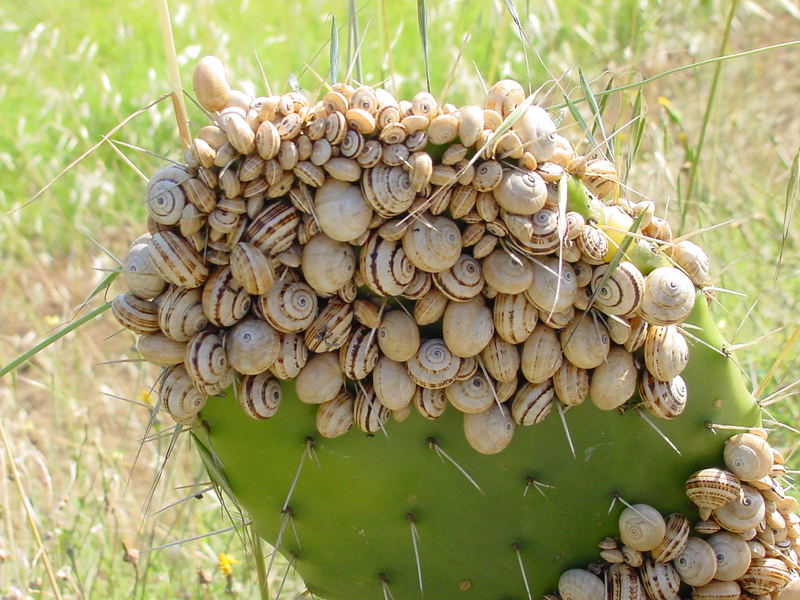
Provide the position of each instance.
(632, 558)
(164, 197)
(514, 317)
(521, 192)
(593, 244)
(462, 202)
(393, 387)
(385, 267)
(717, 590)
(335, 417)
(443, 129)
(179, 396)
(289, 306)
(537, 132)
(666, 352)
(419, 285)
(613, 382)
(622, 291)
(224, 301)
(331, 327)
(472, 395)
(732, 555)
(180, 313)
(369, 414)
(501, 359)
(320, 379)
(623, 582)
(327, 264)
(360, 354)
(210, 85)
(571, 384)
(748, 456)
(674, 539)
(554, 285)
(259, 395)
(507, 273)
(176, 260)
(429, 403)
(367, 313)
(541, 354)
(140, 272)
(790, 591)
(638, 334)
(707, 527)
(433, 245)
(641, 527)
(470, 124)
(205, 359)
(467, 368)
(251, 345)
(545, 237)
(140, 316)
(693, 260)
(712, 488)
(488, 176)
(158, 349)
(387, 190)
(744, 513)
(661, 580)
(251, 269)
(585, 342)
(292, 357)
(464, 280)
(668, 297)
(697, 563)
(765, 575)
(467, 327)
(433, 366)
(533, 403)
(274, 229)
(665, 399)
(580, 584)
(490, 431)
(398, 336)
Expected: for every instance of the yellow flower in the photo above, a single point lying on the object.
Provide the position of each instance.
(145, 396)
(226, 564)
(52, 320)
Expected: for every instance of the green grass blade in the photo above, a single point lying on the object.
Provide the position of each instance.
(334, 50)
(596, 114)
(637, 131)
(356, 46)
(422, 20)
(792, 193)
(576, 114)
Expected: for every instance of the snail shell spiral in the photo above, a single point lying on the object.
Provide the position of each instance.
(471, 395)
(259, 395)
(164, 197)
(289, 306)
(464, 280)
(668, 297)
(622, 291)
(732, 554)
(697, 564)
(179, 396)
(665, 399)
(641, 527)
(748, 456)
(433, 366)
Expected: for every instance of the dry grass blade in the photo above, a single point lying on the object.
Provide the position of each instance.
(334, 50)
(790, 346)
(422, 21)
(174, 74)
(792, 193)
(512, 10)
(355, 45)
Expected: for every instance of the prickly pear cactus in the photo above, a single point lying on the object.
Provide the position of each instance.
(433, 352)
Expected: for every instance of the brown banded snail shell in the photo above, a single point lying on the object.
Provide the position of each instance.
(433, 366)
(259, 395)
(335, 417)
(179, 396)
(533, 402)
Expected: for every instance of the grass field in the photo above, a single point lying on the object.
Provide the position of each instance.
(71, 71)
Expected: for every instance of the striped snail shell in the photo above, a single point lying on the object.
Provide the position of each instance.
(624, 583)
(490, 431)
(507, 272)
(331, 327)
(180, 313)
(632, 558)
(712, 488)
(341, 211)
(732, 554)
(274, 229)
(472, 395)
(433, 244)
(176, 260)
(765, 575)
(327, 265)
(205, 358)
(571, 384)
(360, 354)
(665, 399)
(429, 403)
(593, 244)
(158, 349)
(251, 346)
(393, 387)
(622, 291)
(385, 267)
(521, 192)
(225, 302)
(668, 297)
(398, 336)
(179, 396)
(470, 124)
(135, 314)
(748, 456)
(697, 563)
(464, 280)
(463, 201)
(693, 260)
(433, 366)
(514, 317)
(259, 395)
(430, 307)
(580, 584)
(613, 382)
(467, 368)
(505, 389)
(533, 402)
(251, 269)
(717, 590)
(292, 357)
(501, 359)
(554, 284)
(545, 237)
(744, 513)
(537, 132)
(600, 176)
(210, 85)
(419, 285)
(140, 272)
(541, 354)
(641, 527)
(387, 189)
(467, 327)
(675, 538)
(585, 341)
(583, 273)
(369, 414)
(289, 306)
(335, 417)
(666, 352)
(638, 334)
(661, 580)
(320, 379)
(164, 197)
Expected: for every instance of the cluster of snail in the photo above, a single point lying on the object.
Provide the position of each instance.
(393, 255)
(747, 543)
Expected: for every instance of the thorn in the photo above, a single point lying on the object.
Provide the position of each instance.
(614, 498)
(434, 445)
(296, 475)
(714, 426)
(657, 430)
(197, 537)
(563, 417)
(490, 381)
(537, 485)
(387, 593)
(287, 514)
(633, 508)
(285, 575)
(414, 539)
(194, 495)
(516, 548)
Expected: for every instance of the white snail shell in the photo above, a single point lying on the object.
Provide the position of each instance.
(251, 345)
(697, 563)
(666, 352)
(554, 284)
(537, 133)
(507, 273)
(490, 431)
(398, 336)
(521, 192)
(274, 229)
(732, 554)
(260, 395)
(668, 297)
(158, 349)
(327, 264)
(693, 260)
(641, 527)
(585, 341)
(320, 379)
(471, 395)
(613, 382)
(744, 513)
(433, 244)
(210, 85)
(748, 456)
(430, 307)
(393, 387)
(341, 211)
(433, 366)
(467, 327)
(335, 417)
(541, 354)
(251, 269)
(140, 272)
(165, 198)
(579, 584)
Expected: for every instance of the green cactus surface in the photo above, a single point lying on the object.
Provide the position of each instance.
(350, 515)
